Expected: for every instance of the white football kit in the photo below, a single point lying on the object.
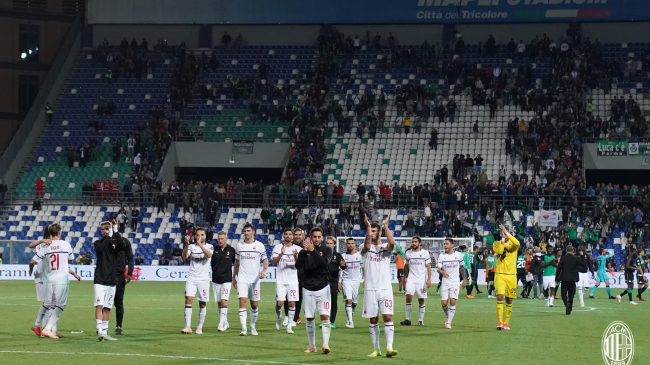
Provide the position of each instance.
(38, 276)
(583, 280)
(451, 264)
(378, 292)
(286, 274)
(198, 280)
(250, 255)
(351, 276)
(418, 273)
(55, 271)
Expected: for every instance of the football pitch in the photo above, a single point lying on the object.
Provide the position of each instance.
(154, 317)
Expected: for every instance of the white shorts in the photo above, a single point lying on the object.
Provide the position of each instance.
(414, 287)
(583, 280)
(449, 291)
(288, 292)
(56, 294)
(221, 291)
(549, 282)
(104, 295)
(200, 287)
(40, 291)
(350, 290)
(316, 299)
(376, 301)
(250, 291)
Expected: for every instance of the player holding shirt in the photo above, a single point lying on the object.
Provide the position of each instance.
(286, 284)
(417, 270)
(505, 280)
(601, 274)
(199, 254)
(55, 253)
(350, 279)
(451, 267)
(247, 275)
(223, 257)
(377, 285)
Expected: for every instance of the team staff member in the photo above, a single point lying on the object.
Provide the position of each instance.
(567, 273)
(124, 259)
(105, 279)
(223, 258)
(314, 260)
(399, 264)
(337, 263)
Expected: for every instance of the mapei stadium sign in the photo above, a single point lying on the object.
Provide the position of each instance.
(361, 11)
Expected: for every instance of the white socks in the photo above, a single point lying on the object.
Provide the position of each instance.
(354, 308)
(446, 310)
(374, 334)
(223, 319)
(105, 325)
(408, 311)
(389, 330)
(253, 317)
(242, 318)
(348, 312)
(278, 312)
(46, 316)
(100, 326)
(311, 332)
(450, 315)
(201, 317)
(582, 296)
(290, 315)
(188, 315)
(326, 332)
(41, 313)
(421, 313)
(55, 313)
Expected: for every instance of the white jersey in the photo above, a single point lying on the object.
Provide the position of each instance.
(352, 271)
(417, 262)
(55, 261)
(286, 273)
(451, 264)
(38, 268)
(376, 263)
(249, 255)
(199, 262)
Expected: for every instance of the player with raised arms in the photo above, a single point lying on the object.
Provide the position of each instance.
(378, 292)
(198, 281)
(247, 274)
(505, 279)
(451, 267)
(286, 285)
(417, 269)
(350, 279)
(36, 261)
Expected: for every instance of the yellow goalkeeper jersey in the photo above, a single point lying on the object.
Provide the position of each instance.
(506, 255)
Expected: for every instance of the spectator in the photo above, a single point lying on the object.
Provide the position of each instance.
(163, 261)
(225, 40)
(85, 259)
(3, 192)
(39, 187)
(139, 260)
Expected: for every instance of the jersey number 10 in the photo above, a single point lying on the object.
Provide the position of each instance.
(54, 263)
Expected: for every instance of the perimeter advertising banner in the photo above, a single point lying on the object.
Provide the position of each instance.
(612, 148)
(180, 273)
(638, 148)
(361, 11)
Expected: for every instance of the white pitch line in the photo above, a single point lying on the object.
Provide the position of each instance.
(157, 356)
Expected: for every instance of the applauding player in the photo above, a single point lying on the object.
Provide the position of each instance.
(199, 254)
(450, 266)
(350, 279)
(286, 284)
(417, 270)
(505, 280)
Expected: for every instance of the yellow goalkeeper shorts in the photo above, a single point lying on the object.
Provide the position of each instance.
(506, 284)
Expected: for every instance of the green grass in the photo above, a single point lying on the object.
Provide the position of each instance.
(154, 318)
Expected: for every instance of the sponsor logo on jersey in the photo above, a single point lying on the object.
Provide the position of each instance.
(617, 345)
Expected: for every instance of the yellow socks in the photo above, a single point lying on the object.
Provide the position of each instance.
(508, 313)
(500, 310)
